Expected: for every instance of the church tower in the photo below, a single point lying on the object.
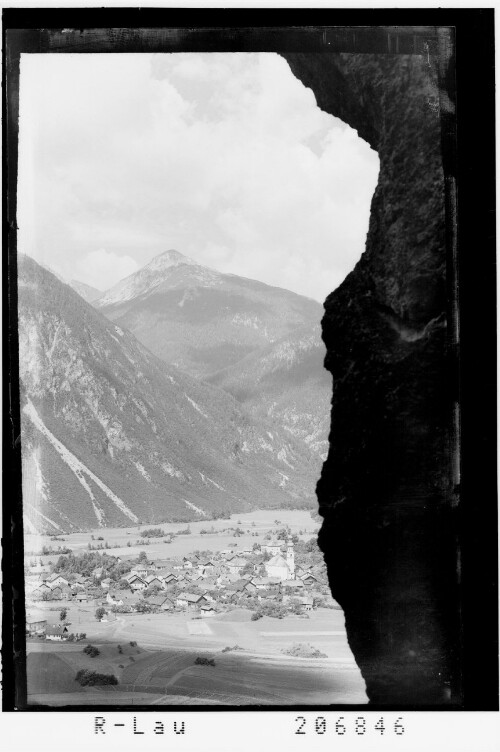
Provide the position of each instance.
(290, 557)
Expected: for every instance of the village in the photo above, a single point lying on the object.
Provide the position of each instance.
(238, 611)
(273, 578)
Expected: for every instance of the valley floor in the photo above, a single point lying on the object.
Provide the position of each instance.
(161, 669)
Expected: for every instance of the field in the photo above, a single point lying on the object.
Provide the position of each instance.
(118, 538)
(163, 671)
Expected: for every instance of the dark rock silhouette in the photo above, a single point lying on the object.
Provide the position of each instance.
(386, 492)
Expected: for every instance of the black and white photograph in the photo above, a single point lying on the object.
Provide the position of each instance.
(233, 319)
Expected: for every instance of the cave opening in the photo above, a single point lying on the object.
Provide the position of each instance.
(232, 145)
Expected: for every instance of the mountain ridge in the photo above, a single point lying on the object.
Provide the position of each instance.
(104, 419)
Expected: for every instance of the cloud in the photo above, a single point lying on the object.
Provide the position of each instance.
(225, 157)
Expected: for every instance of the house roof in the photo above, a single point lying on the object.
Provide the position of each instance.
(238, 561)
(165, 573)
(207, 608)
(129, 598)
(266, 580)
(190, 597)
(292, 583)
(158, 600)
(133, 576)
(36, 618)
(56, 630)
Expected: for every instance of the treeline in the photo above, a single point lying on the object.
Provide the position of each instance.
(153, 532)
(86, 562)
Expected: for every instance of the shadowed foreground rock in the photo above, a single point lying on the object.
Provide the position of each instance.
(386, 491)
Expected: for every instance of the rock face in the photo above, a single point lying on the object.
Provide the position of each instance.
(386, 492)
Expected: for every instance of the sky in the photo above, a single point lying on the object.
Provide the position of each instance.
(223, 157)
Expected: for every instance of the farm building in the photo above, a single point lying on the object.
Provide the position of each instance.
(160, 601)
(237, 564)
(309, 579)
(141, 570)
(136, 582)
(153, 581)
(58, 633)
(207, 611)
(35, 624)
(56, 580)
(292, 586)
(190, 600)
(114, 598)
(265, 583)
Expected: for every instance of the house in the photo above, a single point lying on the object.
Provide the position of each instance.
(153, 581)
(58, 633)
(114, 598)
(240, 585)
(189, 563)
(190, 600)
(39, 592)
(106, 583)
(56, 580)
(309, 579)
(141, 570)
(237, 564)
(81, 597)
(292, 586)
(307, 602)
(209, 583)
(206, 567)
(130, 600)
(56, 594)
(267, 583)
(165, 574)
(136, 582)
(35, 624)
(207, 611)
(161, 602)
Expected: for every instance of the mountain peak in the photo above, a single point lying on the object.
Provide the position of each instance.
(146, 279)
(167, 259)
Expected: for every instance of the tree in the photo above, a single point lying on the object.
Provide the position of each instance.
(99, 613)
(63, 614)
(143, 557)
(91, 650)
